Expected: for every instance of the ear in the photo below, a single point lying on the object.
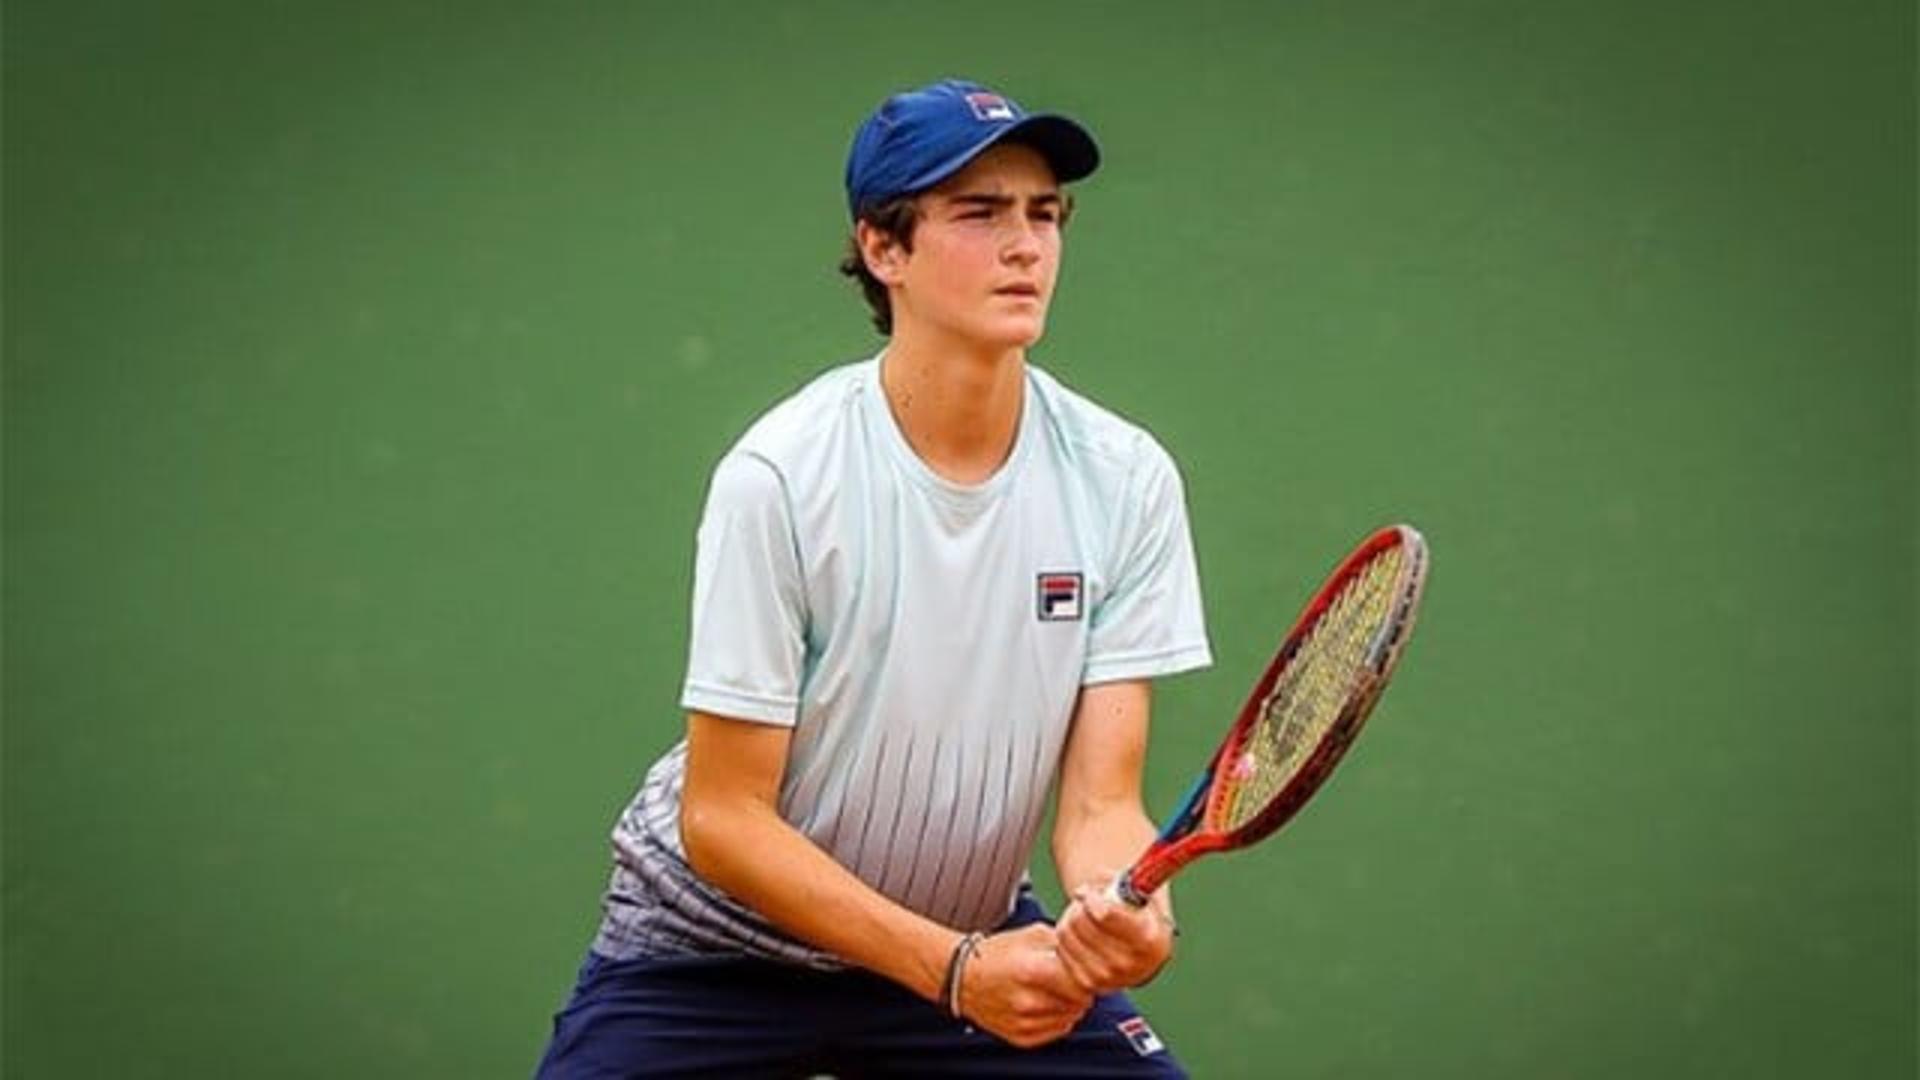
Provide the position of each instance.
(885, 258)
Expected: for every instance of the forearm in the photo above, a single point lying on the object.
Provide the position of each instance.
(1092, 841)
(746, 849)
(1104, 944)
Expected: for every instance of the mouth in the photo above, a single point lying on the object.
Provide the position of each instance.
(1029, 292)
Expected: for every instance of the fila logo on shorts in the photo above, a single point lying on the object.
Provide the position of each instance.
(1060, 597)
(990, 107)
(1140, 1035)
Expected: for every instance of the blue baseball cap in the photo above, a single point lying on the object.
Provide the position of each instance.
(920, 137)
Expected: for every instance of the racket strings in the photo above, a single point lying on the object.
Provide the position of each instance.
(1314, 686)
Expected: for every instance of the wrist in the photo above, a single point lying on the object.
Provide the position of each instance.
(951, 986)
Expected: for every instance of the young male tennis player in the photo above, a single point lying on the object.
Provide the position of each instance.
(929, 586)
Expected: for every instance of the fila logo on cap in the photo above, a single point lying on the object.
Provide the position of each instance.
(1060, 597)
(990, 107)
(1140, 1035)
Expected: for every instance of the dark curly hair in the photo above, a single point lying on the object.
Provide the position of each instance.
(896, 217)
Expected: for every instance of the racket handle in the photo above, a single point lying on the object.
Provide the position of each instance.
(1123, 892)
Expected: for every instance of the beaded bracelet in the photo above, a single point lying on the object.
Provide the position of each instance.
(956, 967)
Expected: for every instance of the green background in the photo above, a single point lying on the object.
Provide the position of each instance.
(364, 364)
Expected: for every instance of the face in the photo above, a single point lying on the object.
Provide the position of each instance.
(986, 252)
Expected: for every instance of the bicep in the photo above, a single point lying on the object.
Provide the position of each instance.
(1106, 746)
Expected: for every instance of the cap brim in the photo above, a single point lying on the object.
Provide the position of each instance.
(1068, 148)
(1065, 144)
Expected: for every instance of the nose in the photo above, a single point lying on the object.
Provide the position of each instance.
(1023, 246)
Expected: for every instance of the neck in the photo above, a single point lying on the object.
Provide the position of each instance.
(959, 408)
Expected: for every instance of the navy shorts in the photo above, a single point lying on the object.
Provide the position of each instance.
(745, 1017)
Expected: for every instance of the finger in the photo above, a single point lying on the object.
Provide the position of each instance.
(1111, 938)
(1073, 962)
(1043, 974)
(1107, 951)
(1133, 931)
(1023, 1038)
(1102, 909)
(1135, 928)
(1052, 1000)
(1068, 989)
(1063, 1030)
(1086, 945)
(1088, 973)
(1115, 956)
(1115, 910)
(1072, 994)
(1036, 1004)
(1070, 916)
(1055, 1023)
(1031, 1036)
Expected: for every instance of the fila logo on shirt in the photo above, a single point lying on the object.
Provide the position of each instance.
(990, 107)
(1140, 1035)
(1060, 596)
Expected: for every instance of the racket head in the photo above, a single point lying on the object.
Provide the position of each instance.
(1304, 711)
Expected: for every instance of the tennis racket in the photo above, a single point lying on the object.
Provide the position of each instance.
(1303, 713)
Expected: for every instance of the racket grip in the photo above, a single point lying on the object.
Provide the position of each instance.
(1121, 891)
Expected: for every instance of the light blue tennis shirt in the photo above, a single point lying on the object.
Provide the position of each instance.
(925, 640)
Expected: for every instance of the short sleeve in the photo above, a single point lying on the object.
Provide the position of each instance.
(747, 645)
(1149, 622)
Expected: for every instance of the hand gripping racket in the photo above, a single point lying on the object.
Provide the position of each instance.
(1303, 713)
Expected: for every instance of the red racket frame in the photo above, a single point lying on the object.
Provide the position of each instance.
(1187, 835)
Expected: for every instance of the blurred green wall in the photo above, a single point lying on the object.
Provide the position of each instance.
(364, 364)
